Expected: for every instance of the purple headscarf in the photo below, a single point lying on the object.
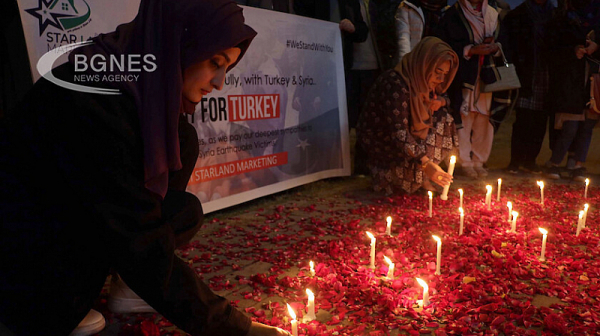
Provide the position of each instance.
(179, 34)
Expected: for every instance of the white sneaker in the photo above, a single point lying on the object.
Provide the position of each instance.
(92, 323)
(123, 300)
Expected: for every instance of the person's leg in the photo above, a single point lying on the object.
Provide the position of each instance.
(464, 146)
(534, 133)
(519, 133)
(482, 139)
(582, 145)
(563, 141)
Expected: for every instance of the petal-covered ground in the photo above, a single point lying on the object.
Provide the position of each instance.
(492, 281)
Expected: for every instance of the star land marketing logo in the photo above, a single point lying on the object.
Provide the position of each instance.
(64, 15)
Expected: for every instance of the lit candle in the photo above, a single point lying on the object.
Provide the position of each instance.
(294, 322)
(513, 226)
(585, 211)
(499, 188)
(579, 223)
(310, 307)
(388, 229)
(425, 292)
(462, 221)
(541, 184)
(488, 196)
(439, 254)
(430, 203)
(460, 191)
(312, 268)
(390, 274)
(587, 183)
(509, 206)
(444, 195)
(545, 233)
(373, 240)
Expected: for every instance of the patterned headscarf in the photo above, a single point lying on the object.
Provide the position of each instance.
(178, 33)
(415, 68)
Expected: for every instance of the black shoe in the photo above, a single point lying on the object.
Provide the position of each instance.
(552, 173)
(532, 169)
(578, 174)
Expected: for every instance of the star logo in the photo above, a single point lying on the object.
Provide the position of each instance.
(45, 16)
(303, 144)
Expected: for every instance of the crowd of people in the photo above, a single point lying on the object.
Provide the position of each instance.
(553, 48)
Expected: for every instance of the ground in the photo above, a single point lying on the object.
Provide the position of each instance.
(492, 283)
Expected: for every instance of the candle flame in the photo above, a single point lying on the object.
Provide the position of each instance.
(499, 180)
(389, 220)
(460, 191)
(462, 212)
(387, 260)
(544, 231)
(291, 312)
(370, 235)
(541, 184)
(586, 206)
(312, 264)
(453, 159)
(587, 181)
(423, 284)
(430, 194)
(581, 214)
(515, 214)
(311, 295)
(489, 188)
(509, 204)
(437, 239)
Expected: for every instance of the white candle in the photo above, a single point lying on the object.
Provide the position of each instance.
(579, 223)
(388, 229)
(460, 191)
(513, 226)
(541, 184)
(373, 240)
(462, 221)
(312, 268)
(430, 203)
(444, 195)
(587, 183)
(545, 233)
(391, 266)
(585, 211)
(488, 196)
(439, 254)
(425, 292)
(294, 322)
(310, 307)
(509, 206)
(499, 188)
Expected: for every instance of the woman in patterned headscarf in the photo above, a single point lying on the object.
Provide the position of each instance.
(89, 181)
(404, 126)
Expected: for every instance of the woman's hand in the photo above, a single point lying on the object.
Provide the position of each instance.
(591, 47)
(484, 49)
(347, 26)
(580, 51)
(437, 174)
(436, 103)
(259, 329)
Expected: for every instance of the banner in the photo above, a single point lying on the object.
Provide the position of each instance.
(280, 120)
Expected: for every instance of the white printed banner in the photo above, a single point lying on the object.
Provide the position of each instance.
(280, 120)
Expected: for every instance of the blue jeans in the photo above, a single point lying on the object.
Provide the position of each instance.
(578, 133)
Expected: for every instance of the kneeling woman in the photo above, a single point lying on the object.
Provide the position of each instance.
(405, 127)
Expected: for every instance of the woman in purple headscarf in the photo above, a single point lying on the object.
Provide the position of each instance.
(92, 181)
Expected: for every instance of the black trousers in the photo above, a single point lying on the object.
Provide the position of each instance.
(527, 137)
